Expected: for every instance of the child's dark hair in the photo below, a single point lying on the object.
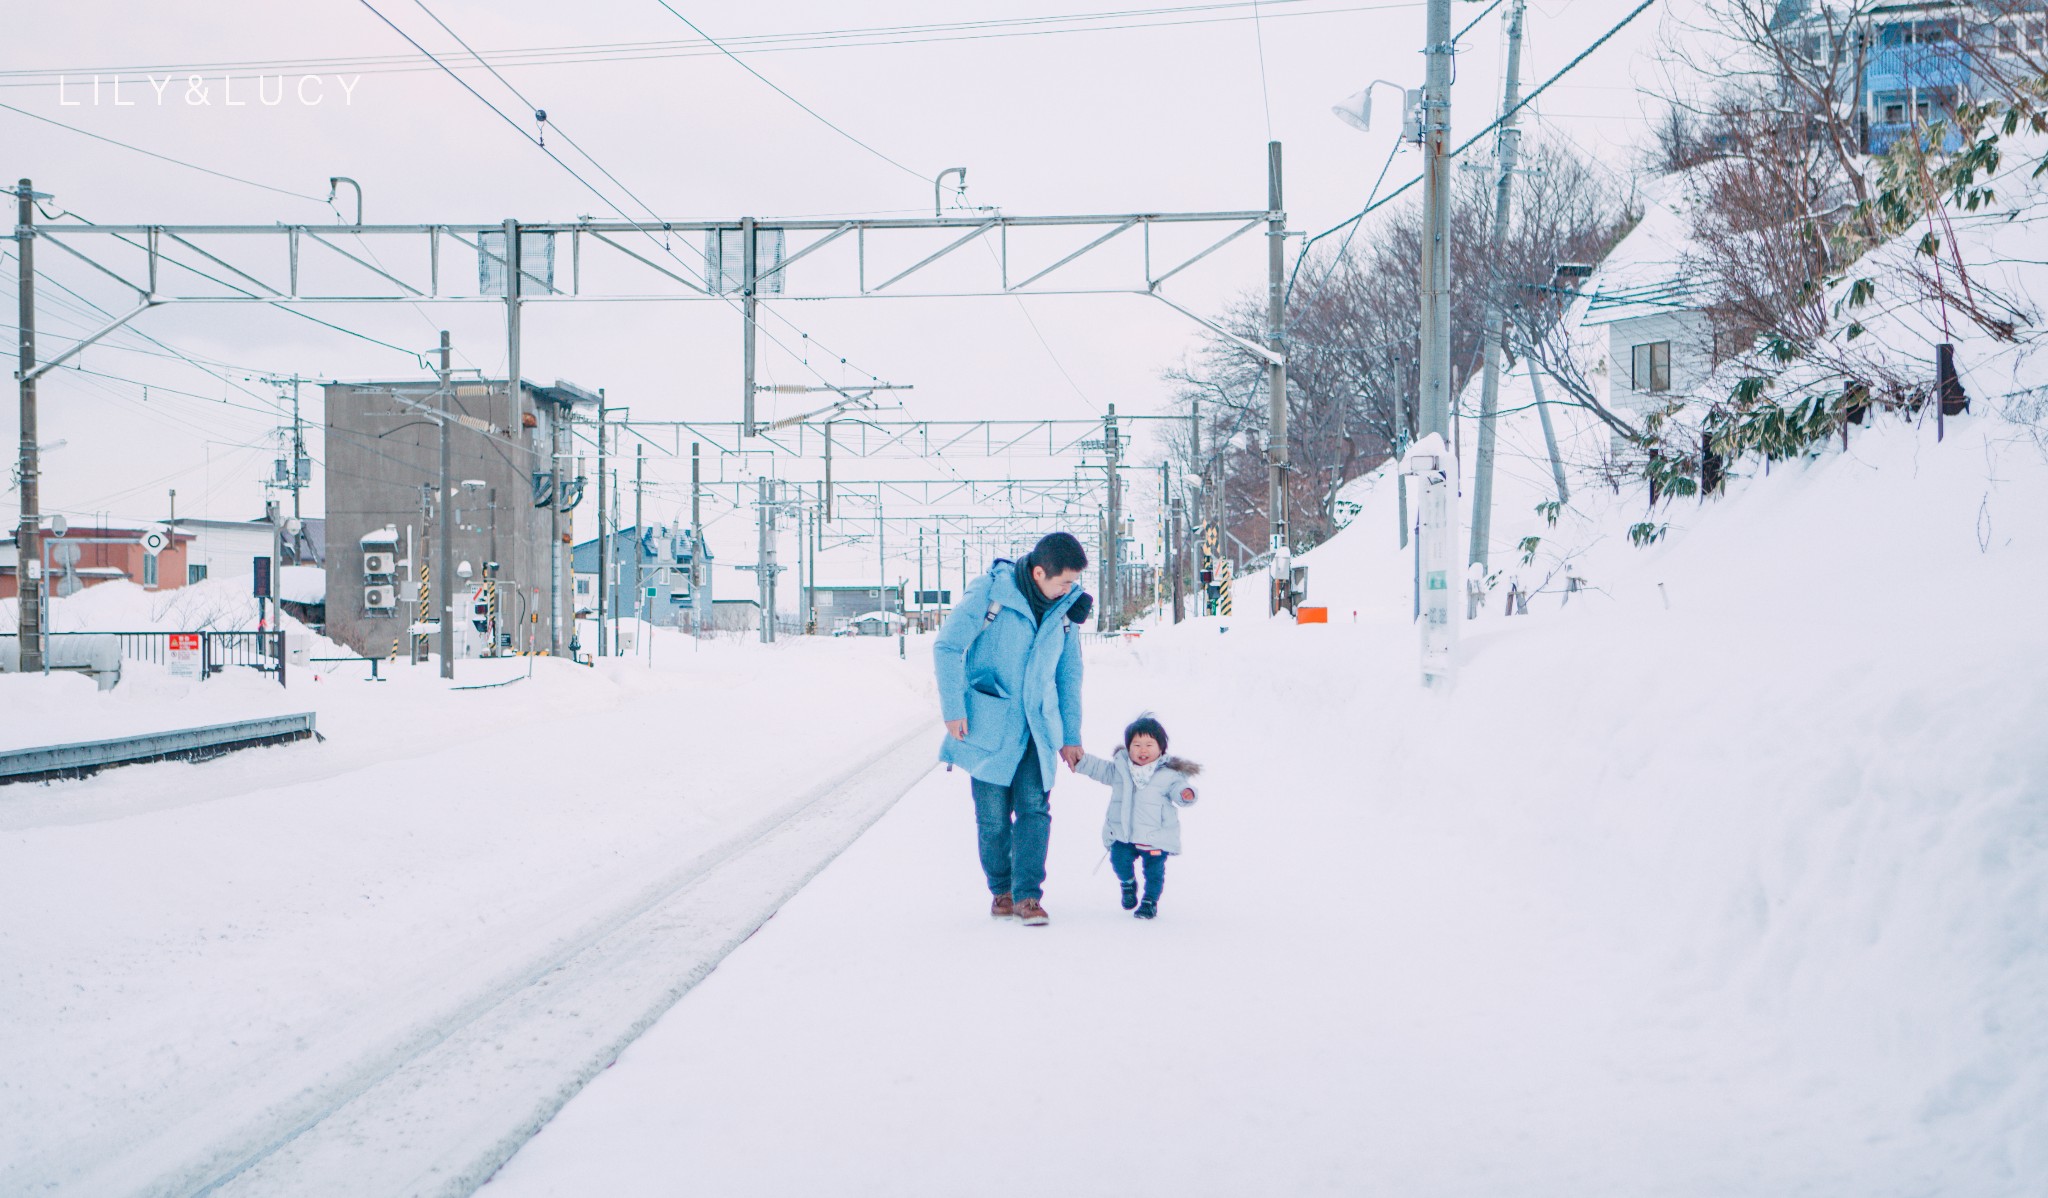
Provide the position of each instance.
(1145, 725)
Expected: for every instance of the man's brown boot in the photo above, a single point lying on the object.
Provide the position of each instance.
(1002, 908)
(1032, 914)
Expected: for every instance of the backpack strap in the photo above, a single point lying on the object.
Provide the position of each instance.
(994, 606)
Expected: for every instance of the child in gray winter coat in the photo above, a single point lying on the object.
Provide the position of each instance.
(1142, 823)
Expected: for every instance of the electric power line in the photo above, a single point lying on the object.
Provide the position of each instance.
(819, 117)
(204, 170)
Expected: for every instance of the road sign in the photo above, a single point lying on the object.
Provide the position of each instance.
(154, 541)
(935, 598)
(262, 588)
(184, 658)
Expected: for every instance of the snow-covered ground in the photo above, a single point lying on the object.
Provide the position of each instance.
(1726, 877)
(195, 953)
(1726, 874)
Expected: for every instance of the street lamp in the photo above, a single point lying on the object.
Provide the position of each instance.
(1356, 110)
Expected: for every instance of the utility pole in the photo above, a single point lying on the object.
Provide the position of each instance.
(1564, 491)
(700, 569)
(603, 541)
(1179, 550)
(28, 558)
(640, 603)
(1433, 458)
(1506, 146)
(1112, 455)
(444, 539)
(1276, 376)
(828, 472)
(764, 568)
(747, 301)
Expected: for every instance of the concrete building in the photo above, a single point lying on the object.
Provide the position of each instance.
(510, 476)
(835, 605)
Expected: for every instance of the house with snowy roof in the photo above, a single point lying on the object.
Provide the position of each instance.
(1647, 300)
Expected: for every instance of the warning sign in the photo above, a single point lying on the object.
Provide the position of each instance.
(185, 655)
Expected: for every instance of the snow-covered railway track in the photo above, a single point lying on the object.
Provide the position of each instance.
(438, 1111)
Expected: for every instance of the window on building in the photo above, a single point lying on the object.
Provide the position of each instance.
(1895, 114)
(194, 574)
(149, 569)
(1650, 369)
(583, 586)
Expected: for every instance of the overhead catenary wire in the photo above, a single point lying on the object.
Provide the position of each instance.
(190, 166)
(815, 114)
(850, 38)
(540, 144)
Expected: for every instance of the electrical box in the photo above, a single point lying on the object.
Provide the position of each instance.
(380, 597)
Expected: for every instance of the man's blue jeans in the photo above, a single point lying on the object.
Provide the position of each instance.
(1015, 823)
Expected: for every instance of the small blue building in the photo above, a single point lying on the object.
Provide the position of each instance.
(670, 567)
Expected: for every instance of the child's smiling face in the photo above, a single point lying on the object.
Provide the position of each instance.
(1143, 749)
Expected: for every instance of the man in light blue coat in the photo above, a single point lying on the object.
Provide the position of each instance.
(1009, 666)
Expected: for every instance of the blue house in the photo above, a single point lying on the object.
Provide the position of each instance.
(669, 566)
(1915, 63)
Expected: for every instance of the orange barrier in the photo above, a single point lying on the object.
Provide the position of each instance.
(1312, 615)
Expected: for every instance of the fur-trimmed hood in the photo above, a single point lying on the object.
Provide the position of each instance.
(1181, 766)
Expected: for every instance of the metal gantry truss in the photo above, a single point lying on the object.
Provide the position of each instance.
(858, 437)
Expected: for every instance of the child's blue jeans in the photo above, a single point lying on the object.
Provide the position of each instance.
(1122, 858)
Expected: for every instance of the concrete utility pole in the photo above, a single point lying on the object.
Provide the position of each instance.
(764, 567)
(1179, 550)
(604, 593)
(1112, 451)
(1276, 375)
(1433, 458)
(640, 601)
(828, 472)
(28, 557)
(1506, 146)
(444, 538)
(700, 569)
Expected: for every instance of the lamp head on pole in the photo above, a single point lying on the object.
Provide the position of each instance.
(1356, 110)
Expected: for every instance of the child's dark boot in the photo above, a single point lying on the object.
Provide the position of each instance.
(1149, 909)
(1130, 894)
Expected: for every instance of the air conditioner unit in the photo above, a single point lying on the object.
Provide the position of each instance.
(381, 597)
(375, 564)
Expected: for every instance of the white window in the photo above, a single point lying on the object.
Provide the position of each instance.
(1650, 366)
(149, 569)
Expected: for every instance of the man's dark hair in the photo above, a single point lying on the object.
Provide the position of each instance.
(1058, 552)
(1145, 725)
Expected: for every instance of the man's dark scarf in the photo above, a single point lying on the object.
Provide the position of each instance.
(1033, 593)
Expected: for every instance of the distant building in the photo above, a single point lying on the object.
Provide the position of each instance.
(76, 563)
(1646, 301)
(667, 559)
(1914, 63)
(836, 604)
(382, 467)
(227, 549)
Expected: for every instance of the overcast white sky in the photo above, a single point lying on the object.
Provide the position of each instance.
(1159, 117)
